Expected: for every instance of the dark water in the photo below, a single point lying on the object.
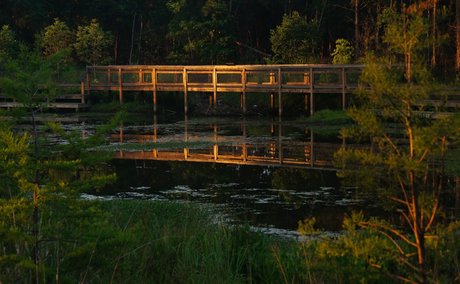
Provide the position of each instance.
(267, 173)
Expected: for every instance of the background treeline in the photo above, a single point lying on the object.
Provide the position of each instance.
(233, 31)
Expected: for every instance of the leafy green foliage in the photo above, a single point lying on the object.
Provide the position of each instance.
(406, 160)
(343, 52)
(56, 37)
(405, 36)
(49, 179)
(8, 44)
(200, 32)
(92, 43)
(29, 79)
(295, 40)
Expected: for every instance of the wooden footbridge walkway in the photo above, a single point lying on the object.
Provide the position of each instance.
(276, 80)
(309, 80)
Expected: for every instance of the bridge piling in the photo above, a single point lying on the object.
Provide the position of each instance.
(214, 83)
(154, 83)
(120, 86)
(243, 94)
(185, 91)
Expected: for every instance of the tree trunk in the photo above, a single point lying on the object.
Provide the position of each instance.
(355, 3)
(434, 33)
(140, 41)
(457, 197)
(418, 229)
(132, 40)
(457, 31)
(35, 214)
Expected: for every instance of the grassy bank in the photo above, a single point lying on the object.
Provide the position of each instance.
(128, 241)
(180, 243)
(164, 242)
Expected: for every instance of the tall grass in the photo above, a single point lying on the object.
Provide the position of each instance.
(180, 243)
(136, 241)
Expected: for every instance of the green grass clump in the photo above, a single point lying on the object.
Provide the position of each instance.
(166, 242)
(180, 243)
(330, 116)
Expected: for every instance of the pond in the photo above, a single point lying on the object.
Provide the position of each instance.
(266, 173)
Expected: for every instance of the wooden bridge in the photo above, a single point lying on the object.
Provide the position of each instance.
(69, 96)
(309, 80)
(275, 80)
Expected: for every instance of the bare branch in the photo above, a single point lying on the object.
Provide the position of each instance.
(389, 229)
(388, 139)
(391, 275)
(433, 214)
(395, 243)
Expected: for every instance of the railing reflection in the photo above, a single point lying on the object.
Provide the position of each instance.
(210, 146)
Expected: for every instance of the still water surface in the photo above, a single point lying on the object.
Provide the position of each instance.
(266, 173)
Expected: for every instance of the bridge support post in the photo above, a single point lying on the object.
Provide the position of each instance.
(280, 141)
(154, 83)
(88, 80)
(82, 91)
(280, 95)
(306, 103)
(184, 79)
(120, 86)
(272, 104)
(243, 94)
(312, 148)
(312, 103)
(280, 104)
(214, 83)
(216, 152)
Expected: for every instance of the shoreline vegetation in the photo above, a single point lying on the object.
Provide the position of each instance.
(139, 241)
(132, 241)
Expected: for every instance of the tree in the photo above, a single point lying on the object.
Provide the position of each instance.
(92, 44)
(40, 181)
(56, 37)
(343, 52)
(295, 40)
(405, 35)
(406, 161)
(200, 32)
(457, 33)
(8, 44)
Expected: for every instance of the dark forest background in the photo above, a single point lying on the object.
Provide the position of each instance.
(231, 31)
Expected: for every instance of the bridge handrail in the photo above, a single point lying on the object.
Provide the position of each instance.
(277, 73)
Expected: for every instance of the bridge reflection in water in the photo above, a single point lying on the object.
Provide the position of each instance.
(228, 142)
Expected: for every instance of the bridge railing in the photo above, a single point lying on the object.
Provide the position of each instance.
(239, 78)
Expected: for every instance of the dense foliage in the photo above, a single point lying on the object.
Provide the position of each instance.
(237, 31)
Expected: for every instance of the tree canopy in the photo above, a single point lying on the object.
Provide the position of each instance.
(240, 31)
